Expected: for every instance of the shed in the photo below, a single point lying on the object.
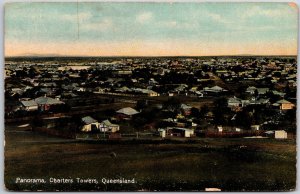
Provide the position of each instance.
(285, 105)
(181, 132)
(255, 127)
(186, 109)
(220, 128)
(280, 134)
(107, 126)
(162, 133)
(89, 124)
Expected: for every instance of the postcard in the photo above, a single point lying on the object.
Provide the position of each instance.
(150, 96)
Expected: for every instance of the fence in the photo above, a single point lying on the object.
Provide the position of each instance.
(234, 134)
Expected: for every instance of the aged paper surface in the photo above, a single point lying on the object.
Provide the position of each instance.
(107, 96)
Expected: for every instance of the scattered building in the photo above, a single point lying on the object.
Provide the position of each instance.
(89, 124)
(107, 126)
(45, 103)
(29, 105)
(280, 134)
(284, 105)
(126, 113)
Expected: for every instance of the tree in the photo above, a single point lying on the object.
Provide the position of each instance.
(273, 98)
(204, 110)
(220, 110)
(172, 104)
(244, 119)
(287, 90)
(138, 122)
(195, 112)
(256, 93)
(141, 104)
(221, 102)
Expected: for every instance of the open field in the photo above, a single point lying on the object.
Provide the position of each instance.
(229, 164)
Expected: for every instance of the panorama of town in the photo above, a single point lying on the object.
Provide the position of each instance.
(159, 123)
(121, 98)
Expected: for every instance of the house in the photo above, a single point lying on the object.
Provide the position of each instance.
(79, 89)
(284, 105)
(124, 72)
(181, 88)
(29, 105)
(48, 84)
(281, 94)
(196, 92)
(270, 134)
(152, 81)
(162, 132)
(171, 93)
(215, 89)
(123, 89)
(186, 109)
(260, 91)
(220, 128)
(146, 91)
(15, 91)
(260, 101)
(234, 102)
(238, 129)
(251, 89)
(107, 126)
(199, 94)
(179, 132)
(152, 93)
(126, 113)
(255, 127)
(89, 124)
(193, 89)
(45, 103)
(280, 134)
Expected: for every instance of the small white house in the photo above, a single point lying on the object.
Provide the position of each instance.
(89, 124)
(162, 133)
(220, 128)
(237, 129)
(107, 126)
(255, 127)
(179, 132)
(234, 102)
(280, 134)
(188, 132)
(153, 93)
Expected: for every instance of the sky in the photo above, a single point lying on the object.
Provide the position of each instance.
(150, 29)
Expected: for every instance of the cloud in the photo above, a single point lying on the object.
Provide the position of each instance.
(168, 24)
(176, 25)
(217, 18)
(144, 17)
(258, 11)
(73, 17)
(104, 25)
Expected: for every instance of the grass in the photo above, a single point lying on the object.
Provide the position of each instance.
(229, 164)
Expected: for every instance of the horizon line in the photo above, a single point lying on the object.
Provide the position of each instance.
(136, 56)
